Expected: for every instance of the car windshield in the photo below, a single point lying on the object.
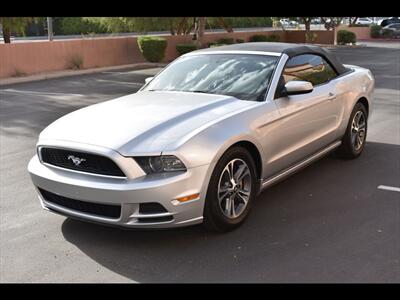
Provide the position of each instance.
(244, 76)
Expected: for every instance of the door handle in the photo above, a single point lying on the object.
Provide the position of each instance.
(331, 96)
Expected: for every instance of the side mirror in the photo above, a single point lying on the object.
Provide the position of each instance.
(148, 79)
(296, 87)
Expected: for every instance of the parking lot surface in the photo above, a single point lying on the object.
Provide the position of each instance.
(327, 223)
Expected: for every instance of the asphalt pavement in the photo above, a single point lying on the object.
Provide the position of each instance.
(327, 223)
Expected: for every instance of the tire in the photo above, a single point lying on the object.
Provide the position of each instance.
(350, 147)
(219, 214)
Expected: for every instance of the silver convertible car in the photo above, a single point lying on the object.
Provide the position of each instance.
(204, 137)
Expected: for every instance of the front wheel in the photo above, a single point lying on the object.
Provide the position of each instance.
(353, 141)
(232, 187)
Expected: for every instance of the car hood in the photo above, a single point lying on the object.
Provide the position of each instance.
(144, 122)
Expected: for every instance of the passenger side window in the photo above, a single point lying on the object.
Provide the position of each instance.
(308, 67)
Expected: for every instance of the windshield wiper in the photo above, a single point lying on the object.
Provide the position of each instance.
(198, 91)
(188, 91)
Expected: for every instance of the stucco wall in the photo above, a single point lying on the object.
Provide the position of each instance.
(29, 58)
(37, 57)
(322, 36)
(362, 33)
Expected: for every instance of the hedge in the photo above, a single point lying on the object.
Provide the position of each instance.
(346, 37)
(375, 31)
(240, 22)
(264, 38)
(214, 44)
(77, 25)
(258, 38)
(273, 38)
(386, 33)
(185, 48)
(226, 41)
(152, 47)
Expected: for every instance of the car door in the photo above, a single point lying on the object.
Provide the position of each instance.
(308, 122)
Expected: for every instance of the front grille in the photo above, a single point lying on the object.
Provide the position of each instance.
(102, 210)
(80, 161)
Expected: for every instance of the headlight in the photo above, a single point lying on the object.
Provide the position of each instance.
(158, 164)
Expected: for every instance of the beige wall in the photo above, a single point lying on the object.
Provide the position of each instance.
(362, 33)
(298, 36)
(41, 57)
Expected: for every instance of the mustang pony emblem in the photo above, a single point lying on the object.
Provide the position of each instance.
(76, 160)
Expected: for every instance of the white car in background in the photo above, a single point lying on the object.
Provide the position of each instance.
(387, 21)
(316, 21)
(364, 21)
(285, 22)
(393, 28)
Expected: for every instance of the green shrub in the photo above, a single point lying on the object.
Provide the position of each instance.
(226, 41)
(75, 62)
(386, 33)
(375, 31)
(264, 38)
(152, 47)
(239, 41)
(311, 37)
(215, 45)
(258, 38)
(240, 22)
(18, 73)
(221, 42)
(76, 25)
(273, 38)
(185, 48)
(346, 37)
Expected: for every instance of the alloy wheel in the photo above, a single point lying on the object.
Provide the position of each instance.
(234, 188)
(358, 130)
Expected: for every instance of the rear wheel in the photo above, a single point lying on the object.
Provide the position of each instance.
(353, 141)
(232, 188)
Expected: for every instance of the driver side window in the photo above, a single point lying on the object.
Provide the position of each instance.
(308, 67)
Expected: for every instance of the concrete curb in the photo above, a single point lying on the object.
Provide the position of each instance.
(358, 45)
(381, 40)
(67, 73)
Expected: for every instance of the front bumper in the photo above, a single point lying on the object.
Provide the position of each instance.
(128, 193)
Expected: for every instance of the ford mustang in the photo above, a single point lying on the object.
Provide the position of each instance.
(200, 140)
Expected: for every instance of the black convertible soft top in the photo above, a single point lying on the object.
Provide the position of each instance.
(289, 49)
